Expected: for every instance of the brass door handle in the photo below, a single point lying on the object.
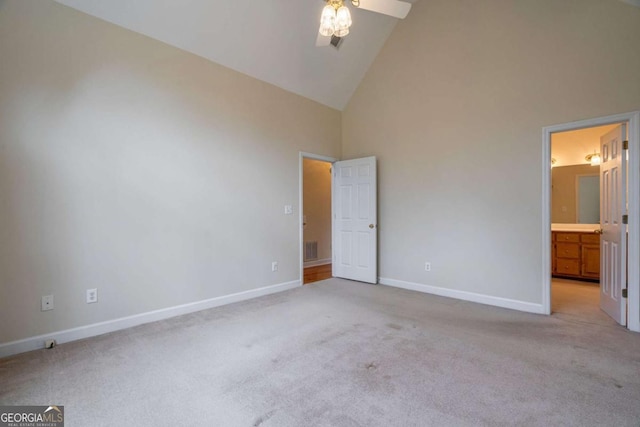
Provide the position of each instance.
(371, 226)
(600, 231)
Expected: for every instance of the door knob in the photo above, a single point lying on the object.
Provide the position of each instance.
(371, 225)
(600, 231)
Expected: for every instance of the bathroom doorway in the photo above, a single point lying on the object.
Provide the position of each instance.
(575, 224)
(584, 269)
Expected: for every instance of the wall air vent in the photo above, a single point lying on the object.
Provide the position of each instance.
(310, 250)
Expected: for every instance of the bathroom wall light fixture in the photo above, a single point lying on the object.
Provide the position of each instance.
(594, 159)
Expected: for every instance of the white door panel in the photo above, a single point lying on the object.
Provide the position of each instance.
(613, 247)
(355, 220)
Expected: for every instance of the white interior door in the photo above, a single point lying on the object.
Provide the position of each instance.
(355, 237)
(613, 247)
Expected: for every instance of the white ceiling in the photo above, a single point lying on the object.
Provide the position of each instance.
(571, 148)
(271, 40)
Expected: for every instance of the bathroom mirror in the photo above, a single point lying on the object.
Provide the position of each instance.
(575, 194)
(588, 199)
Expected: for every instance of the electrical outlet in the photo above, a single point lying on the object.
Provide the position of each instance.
(288, 210)
(274, 266)
(427, 266)
(47, 303)
(92, 296)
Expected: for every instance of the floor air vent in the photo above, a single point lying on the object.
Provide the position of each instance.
(336, 41)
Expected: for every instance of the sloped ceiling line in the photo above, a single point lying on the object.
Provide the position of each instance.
(273, 41)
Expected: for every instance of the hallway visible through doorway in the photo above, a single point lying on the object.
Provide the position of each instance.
(317, 273)
(316, 216)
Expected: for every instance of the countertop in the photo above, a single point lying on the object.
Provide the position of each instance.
(585, 228)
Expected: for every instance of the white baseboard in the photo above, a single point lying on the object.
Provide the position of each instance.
(317, 262)
(37, 342)
(465, 296)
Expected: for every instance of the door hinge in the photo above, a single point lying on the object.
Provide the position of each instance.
(625, 219)
(625, 145)
(624, 293)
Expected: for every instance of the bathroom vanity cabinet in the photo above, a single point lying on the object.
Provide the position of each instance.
(575, 254)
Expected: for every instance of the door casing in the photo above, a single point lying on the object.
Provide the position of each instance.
(633, 125)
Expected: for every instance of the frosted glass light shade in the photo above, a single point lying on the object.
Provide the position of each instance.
(328, 21)
(343, 18)
(341, 32)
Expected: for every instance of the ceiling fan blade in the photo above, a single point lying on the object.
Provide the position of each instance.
(396, 8)
(322, 40)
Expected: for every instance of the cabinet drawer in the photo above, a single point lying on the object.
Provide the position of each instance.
(590, 238)
(568, 237)
(568, 266)
(568, 250)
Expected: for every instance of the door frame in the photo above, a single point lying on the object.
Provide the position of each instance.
(633, 125)
(304, 155)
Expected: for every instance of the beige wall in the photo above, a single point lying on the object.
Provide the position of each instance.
(454, 106)
(141, 170)
(317, 205)
(563, 191)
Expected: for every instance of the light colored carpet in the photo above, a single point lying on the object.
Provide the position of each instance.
(339, 353)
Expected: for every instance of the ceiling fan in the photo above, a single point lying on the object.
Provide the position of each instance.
(336, 18)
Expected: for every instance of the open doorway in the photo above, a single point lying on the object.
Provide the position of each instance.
(353, 216)
(575, 224)
(316, 219)
(584, 269)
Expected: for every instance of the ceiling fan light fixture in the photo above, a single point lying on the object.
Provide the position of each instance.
(335, 19)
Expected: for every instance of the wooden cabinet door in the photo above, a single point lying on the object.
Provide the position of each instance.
(591, 261)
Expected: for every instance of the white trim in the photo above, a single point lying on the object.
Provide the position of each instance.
(546, 221)
(37, 342)
(465, 296)
(317, 262)
(633, 200)
(304, 155)
(633, 120)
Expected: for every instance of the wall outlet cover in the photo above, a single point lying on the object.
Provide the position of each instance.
(92, 296)
(46, 303)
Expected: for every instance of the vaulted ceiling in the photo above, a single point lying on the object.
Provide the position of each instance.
(271, 40)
